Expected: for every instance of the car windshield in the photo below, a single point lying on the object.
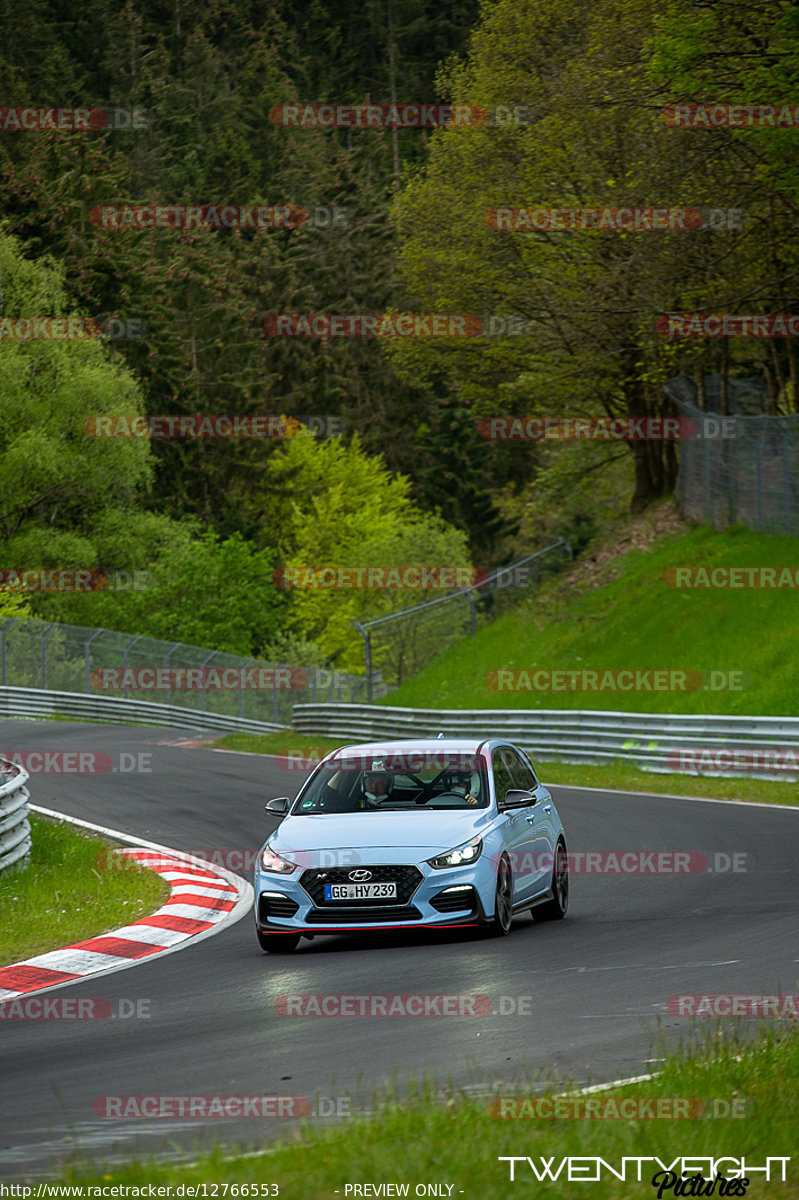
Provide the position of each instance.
(407, 782)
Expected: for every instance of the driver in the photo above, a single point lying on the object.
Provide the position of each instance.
(376, 789)
(465, 783)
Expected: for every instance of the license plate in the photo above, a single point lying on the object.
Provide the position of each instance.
(360, 891)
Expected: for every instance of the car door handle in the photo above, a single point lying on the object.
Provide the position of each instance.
(547, 808)
(530, 820)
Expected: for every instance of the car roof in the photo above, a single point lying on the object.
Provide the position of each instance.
(412, 745)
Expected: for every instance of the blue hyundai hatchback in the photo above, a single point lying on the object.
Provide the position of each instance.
(421, 834)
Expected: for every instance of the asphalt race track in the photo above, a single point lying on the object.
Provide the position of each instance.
(594, 986)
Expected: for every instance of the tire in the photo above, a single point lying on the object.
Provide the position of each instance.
(555, 909)
(277, 943)
(502, 919)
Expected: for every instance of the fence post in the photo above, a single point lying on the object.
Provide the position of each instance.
(45, 636)
(87, 654)
(787, 523)
(167, 656)
(759, 478)
(241, 687)
(132, 642)
(6, 627)
(367, 646)
(203, 689)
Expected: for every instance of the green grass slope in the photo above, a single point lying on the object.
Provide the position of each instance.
(615, 610)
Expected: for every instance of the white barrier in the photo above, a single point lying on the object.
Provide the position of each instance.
(15, 829)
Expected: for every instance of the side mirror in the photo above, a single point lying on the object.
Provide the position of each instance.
(518, 798)
(279, 806)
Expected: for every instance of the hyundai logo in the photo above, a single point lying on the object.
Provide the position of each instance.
(360, 876)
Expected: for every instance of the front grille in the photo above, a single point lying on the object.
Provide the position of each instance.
(407, 880)
(446, 902)
(345, 916)
(275, 906)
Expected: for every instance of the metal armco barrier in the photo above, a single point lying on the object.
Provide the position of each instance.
(15, 829)
(648, 740)
(33, 702)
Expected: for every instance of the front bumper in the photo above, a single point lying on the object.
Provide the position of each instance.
(430, 899)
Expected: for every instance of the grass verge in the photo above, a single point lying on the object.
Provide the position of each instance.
(617, 608)
(66, 893)
(738, 1097)
(618, 776)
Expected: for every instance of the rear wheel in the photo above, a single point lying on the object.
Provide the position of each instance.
(277, 943)
(503, 900)
(555, 908)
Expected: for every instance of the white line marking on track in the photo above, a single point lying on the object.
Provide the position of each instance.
(576, 787)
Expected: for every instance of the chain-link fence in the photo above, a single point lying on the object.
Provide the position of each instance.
(402, 643)
(71, 658)
(742, 468)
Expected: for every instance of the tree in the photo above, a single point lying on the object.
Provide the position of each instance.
(336, 506)
(591, 298)
(71, 500)
(206, 592)
(61, 490)
(742, 53)
(210, 76)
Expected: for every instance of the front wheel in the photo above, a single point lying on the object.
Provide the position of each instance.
(555, 908)
(503, 901)
(277, 943)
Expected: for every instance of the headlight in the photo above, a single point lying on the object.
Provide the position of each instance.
(273, 862)
(461, 856)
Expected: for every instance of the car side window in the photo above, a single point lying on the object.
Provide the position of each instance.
(503, 780)
(522, 776)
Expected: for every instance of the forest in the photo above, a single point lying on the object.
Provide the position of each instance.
(268, 272)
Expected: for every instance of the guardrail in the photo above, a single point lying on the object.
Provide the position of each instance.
(15, 829)
(33, 702)
(652, 741)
